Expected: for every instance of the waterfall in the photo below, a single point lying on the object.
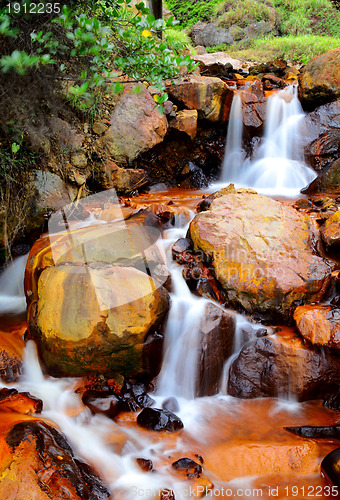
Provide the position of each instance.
(234, 154)
(12, 298)
(278, 165)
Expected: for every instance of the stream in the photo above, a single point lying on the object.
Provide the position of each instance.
(239, 440)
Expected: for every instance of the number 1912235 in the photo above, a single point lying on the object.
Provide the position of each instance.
(33, 8)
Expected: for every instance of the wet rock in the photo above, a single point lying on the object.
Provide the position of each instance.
(210, 96)
(320, 325)
(217, 64)
(322, 131)
(102, 402)
(78, 334)
(181, 250)
(320, 79)
(274, 81)
(170, 404)
(261, 252)
(20, 402)
(158, 420)
(136, 126)
(217, 331)
(43, 465)
(281, 366)
(330, 432)
(330, 231)
(185, 121)
(330, 467)
(191, 468)
(328, 181)
(105, 315)
(123, 180)
(253, 106)
(145, 464)
(11, 353)
(333, 402)
(192, 177)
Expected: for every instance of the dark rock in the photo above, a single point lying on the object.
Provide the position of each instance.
(329, 432)
(330, 467)
(145, 464)
(181, 250)
(158, 420)
(192, 469)
(193, 177)
(60, 468)
(327, 181)
(21, 402)
(282, 366)
(204, 205)
(333, 402)
(217, 331)
(322, 131)
(170, 404)
(102, 402)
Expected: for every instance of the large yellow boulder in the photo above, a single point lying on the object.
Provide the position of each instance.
(261, 252)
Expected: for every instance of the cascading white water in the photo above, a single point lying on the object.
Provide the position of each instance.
(278, 165)
(234, 154)
(11, 282)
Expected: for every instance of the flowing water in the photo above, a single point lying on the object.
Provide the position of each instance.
(277, 166)
(232, 435)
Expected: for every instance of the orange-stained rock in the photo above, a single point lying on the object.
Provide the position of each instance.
(185, 121)
(261, 252)
(136, 126)
(253, 105)
(41, 465)
(320, 79)
(92, 307)
(20, 402)
(209, 95)
(320, 325)
(281, 365)
(330, 231)
(11, 352)
(95, 320)
(123, 180)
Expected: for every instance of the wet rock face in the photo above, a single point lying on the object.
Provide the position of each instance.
(328, 181)
(330, 467)
(209, 95)
(253, 107)
(261, 252)
(190, 467)
(320, 325)
(44, 465)
(322, 131)
(217, 337)
(20, 402)
(281, 366)
(320, 79)
(330, 231)
(158, 420)
(11, 353)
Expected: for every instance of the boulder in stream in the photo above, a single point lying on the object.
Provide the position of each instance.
(281, 366)
(330, 231)
(320, 325)
(262, 252)
(158, 420)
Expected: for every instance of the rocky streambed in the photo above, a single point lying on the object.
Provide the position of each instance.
(265, 350)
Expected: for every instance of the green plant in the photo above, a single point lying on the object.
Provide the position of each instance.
(189, 12)
(243, 13)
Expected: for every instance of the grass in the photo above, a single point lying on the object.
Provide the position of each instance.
(242, 14)
(295, 49)
(177, 40)
(189, 12)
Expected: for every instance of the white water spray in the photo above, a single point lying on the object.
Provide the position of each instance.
(12, 297)
(278, 165)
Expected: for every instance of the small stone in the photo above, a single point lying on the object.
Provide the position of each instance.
(167, 495)
(145, 464)
(155, 419)
(78, 159)
(192, 469)
(99, 128)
